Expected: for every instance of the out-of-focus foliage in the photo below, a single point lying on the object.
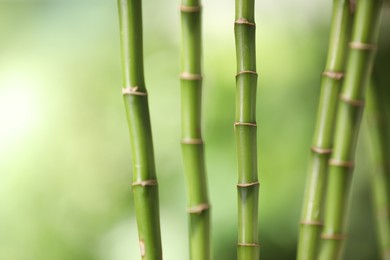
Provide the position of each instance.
(65, 167)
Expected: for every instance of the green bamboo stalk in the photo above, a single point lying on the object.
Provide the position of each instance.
(245, 131)
(311, 223)
(145, 189)
(192, 142)
(379, 140)
(359, 67)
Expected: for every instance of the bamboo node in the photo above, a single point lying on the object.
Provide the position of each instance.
(336, 75)
(321, 150)
(362, 46)
(245, 124)
(190, 9)
(198, 209)
(246, 72)
(244, 21)
(383, 212)
(352, 102)
(133, 91)
(142, 247)
(145, 183)
(340, 163)
(333, 236)
(352, 6)
(248, 244)
(190, 76)
(386, 253)
(191, 141)
(244, 185)
(311, 223)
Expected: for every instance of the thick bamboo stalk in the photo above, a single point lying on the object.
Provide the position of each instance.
(311, 222)
(246, 131)
(379, 140)
(192, 143)
(359, 67)
(145, 188)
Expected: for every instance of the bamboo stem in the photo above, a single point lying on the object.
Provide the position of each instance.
(192, 142)
(359, 67)
(245, 131)
(379, 138)
(311, 223)
(145, 187)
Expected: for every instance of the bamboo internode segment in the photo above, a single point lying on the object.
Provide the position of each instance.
(145, 183)
(190, 76)
(245, 124)
(133, 91)
(191, 141)
(336, 75)
(246, 72)
(352, 102)
(245, 22)
(250, 184)
(362, 46)
(198, 209)
(190, 9)
(312, 223)
(333, 236)
(320, 150)
(340, 163)
(249, 244)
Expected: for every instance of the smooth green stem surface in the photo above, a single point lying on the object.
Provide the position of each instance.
(246, 131)
(145, 189)
(359, 66)
(311, 222)
(192, 143)
(379, 141)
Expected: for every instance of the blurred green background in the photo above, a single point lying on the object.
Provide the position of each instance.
(65, 162)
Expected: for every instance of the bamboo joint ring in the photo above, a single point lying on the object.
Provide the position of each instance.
(352, 102)
(244, 124)
(145, 183)
(311, 223)
(191, 141)
(340, 163)
(336, 75)
(333, 236)
(246, 72)
(244, 21)
(190, 9)
(198, 209)
(249, 244)
(250, 184)
(133, 91)
(321, 150)
(190, 76)
(362, 46)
